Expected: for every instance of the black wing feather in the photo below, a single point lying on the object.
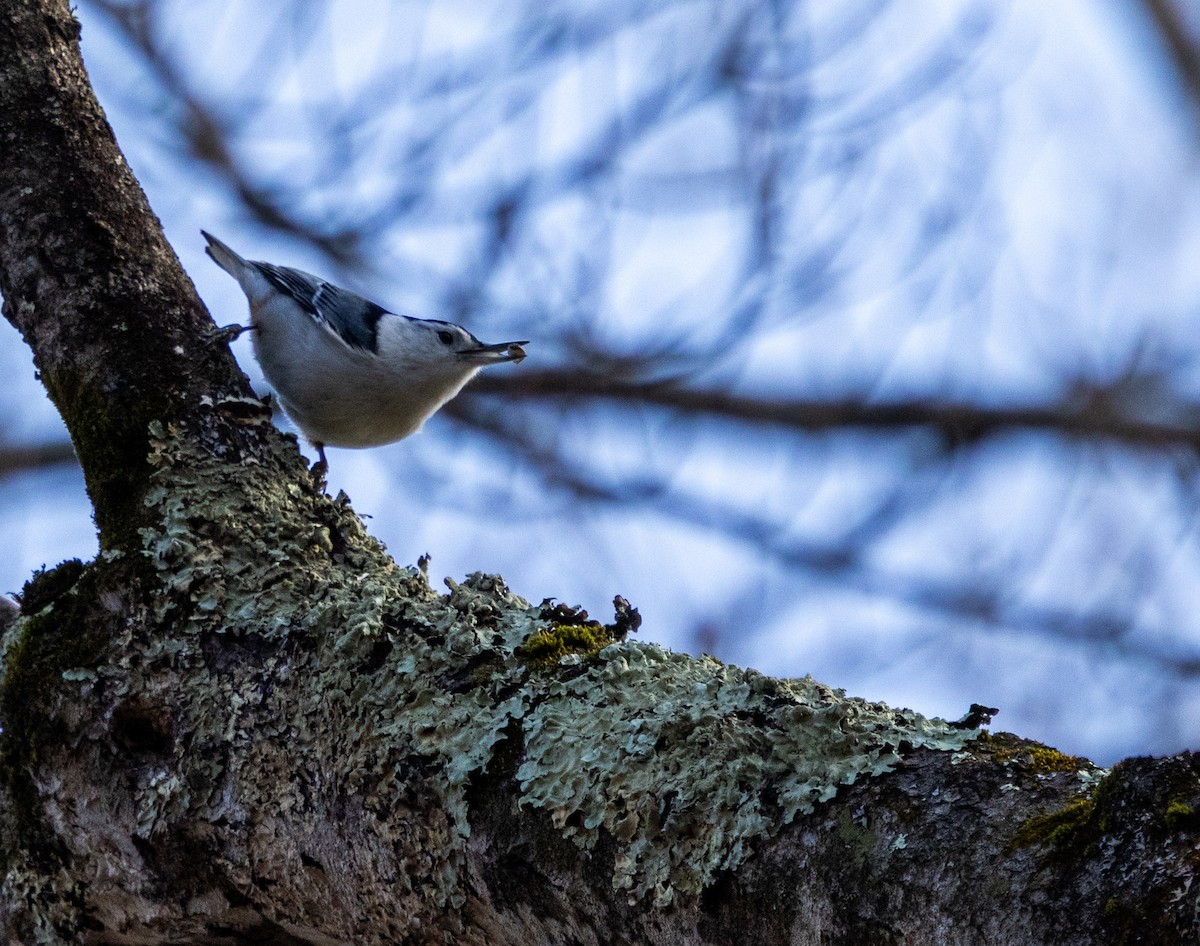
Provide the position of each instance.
(355, 319)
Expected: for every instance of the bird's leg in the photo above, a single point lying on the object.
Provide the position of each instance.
(321, 467)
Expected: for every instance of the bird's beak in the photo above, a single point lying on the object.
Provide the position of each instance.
(494, 354)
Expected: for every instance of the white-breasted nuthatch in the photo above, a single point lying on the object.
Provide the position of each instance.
(348, 372)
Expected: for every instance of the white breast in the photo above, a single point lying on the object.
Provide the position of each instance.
(346, 397)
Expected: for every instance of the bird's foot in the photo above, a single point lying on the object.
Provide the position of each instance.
(227, 334)
(320, 468)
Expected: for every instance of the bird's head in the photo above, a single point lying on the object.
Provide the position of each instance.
(443, 347)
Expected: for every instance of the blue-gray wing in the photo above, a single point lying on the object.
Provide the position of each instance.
(355, 319)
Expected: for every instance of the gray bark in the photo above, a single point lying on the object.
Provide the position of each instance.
(243, 723)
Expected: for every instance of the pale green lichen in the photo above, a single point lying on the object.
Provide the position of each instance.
(685, 763)
(268, 570)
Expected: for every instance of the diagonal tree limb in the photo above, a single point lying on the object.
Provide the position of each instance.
(87, 277)
(243, 723)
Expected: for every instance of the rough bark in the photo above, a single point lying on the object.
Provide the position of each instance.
(87, 276)
(243, 723)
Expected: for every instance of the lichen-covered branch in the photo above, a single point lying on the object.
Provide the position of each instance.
(323, 749)
(243, 723)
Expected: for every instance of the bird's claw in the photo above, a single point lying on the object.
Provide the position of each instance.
(228, 334)
(319, 469)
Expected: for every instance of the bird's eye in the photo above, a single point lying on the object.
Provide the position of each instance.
(445, 337)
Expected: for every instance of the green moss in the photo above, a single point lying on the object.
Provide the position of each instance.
(1180, 816)
(1043, 760)
(36, 651)
(1069, 828)
(859, 839)
(46, 585)
(115, 467)
(1126, 922)
(1035, 757)
(546, 648)
(1141, 804)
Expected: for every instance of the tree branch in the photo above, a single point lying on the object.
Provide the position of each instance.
(21, 459)
(87, 277)
(1096, 413)
(1179, 44)
(242, 723)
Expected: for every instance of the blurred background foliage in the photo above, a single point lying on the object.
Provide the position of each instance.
(864, 332)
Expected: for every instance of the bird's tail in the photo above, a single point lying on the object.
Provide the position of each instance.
(224, 257)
